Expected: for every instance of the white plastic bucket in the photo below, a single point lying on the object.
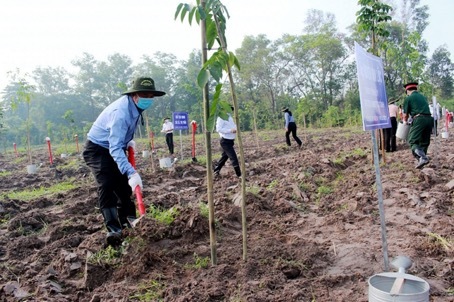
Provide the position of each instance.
(31, 169)
(413, 289)
(146, 154)
(402, 131)
(445, 134)
(165, 162)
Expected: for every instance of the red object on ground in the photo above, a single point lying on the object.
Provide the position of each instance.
(51, 160)
(194, 129)
(15, 149)
(448, 119)
(140, 204)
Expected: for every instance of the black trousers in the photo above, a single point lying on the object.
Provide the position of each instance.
(228, 152)
(169, 142)
(390, 136)
(113, 188)
(292, 129)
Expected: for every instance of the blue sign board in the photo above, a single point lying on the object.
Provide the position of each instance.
(372, 92)
(180, 121)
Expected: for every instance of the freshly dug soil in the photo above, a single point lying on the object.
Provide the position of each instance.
(313, 225)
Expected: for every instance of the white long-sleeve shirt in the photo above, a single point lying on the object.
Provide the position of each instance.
(167, 127)
(225, 128)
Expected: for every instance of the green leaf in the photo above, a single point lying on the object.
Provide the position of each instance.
(211, 33)
(216, 71)
(185, 10)
(233, 61)
(179, 7)
(202, 77)
(191, 15)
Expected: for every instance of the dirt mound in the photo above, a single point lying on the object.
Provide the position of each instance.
(313, 226)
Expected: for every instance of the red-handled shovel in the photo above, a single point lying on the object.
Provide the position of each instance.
(140, 204)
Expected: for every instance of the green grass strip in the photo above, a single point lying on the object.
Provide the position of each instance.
(27, 195)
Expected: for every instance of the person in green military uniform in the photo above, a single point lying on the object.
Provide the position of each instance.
(417, 107)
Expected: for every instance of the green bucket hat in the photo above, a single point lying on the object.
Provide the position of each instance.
(144, 84)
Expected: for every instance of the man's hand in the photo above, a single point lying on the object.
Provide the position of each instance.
(131, 144)
(134, 181)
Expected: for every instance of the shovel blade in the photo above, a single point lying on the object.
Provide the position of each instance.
(133, 222)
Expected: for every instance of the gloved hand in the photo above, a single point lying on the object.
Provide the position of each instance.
(134, 181)
(132, 144)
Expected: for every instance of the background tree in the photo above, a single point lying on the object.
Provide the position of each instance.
(440, 72)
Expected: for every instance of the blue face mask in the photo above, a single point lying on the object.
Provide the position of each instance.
(144, 103)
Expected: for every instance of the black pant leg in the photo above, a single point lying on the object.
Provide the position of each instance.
(287, 137)
(393, 134)
(113, 187)
(229, 150)
(169, 141)
(292, 128)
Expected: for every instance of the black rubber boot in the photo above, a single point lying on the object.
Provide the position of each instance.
(113, 226)
(217, 171)
(423, 159)
(237, 171)
(126, 214)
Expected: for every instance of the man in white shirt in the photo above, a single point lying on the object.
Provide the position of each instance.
(435, 114)
(227, 132)
(167, 128)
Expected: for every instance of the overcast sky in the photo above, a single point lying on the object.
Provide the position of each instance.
(52, 33)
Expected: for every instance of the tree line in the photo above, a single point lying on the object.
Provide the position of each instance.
(313, 73)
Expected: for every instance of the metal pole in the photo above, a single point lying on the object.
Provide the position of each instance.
(181, 146)
(380, 201)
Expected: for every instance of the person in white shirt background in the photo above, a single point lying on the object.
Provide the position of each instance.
(435, 114)
(167, 128)
(390, 133)
(227, 132)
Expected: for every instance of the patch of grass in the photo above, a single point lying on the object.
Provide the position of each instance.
(162, 215)
(339, 176)
(70, 164)
(324, 190)
(320, 181)
(5, 173)
(4, 221)
(343, 207)
(107, 256)
(199, 262)
(304, 187)
(359, 152)
(151, 290)
(272, 185)
(27, 195)
(339, 161)
(264, 136)
(254, 190)
(201, 160)
(398, 166)
(445, 243)
(204, 210)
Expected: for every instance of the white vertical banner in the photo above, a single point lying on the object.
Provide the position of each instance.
(372, 90)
